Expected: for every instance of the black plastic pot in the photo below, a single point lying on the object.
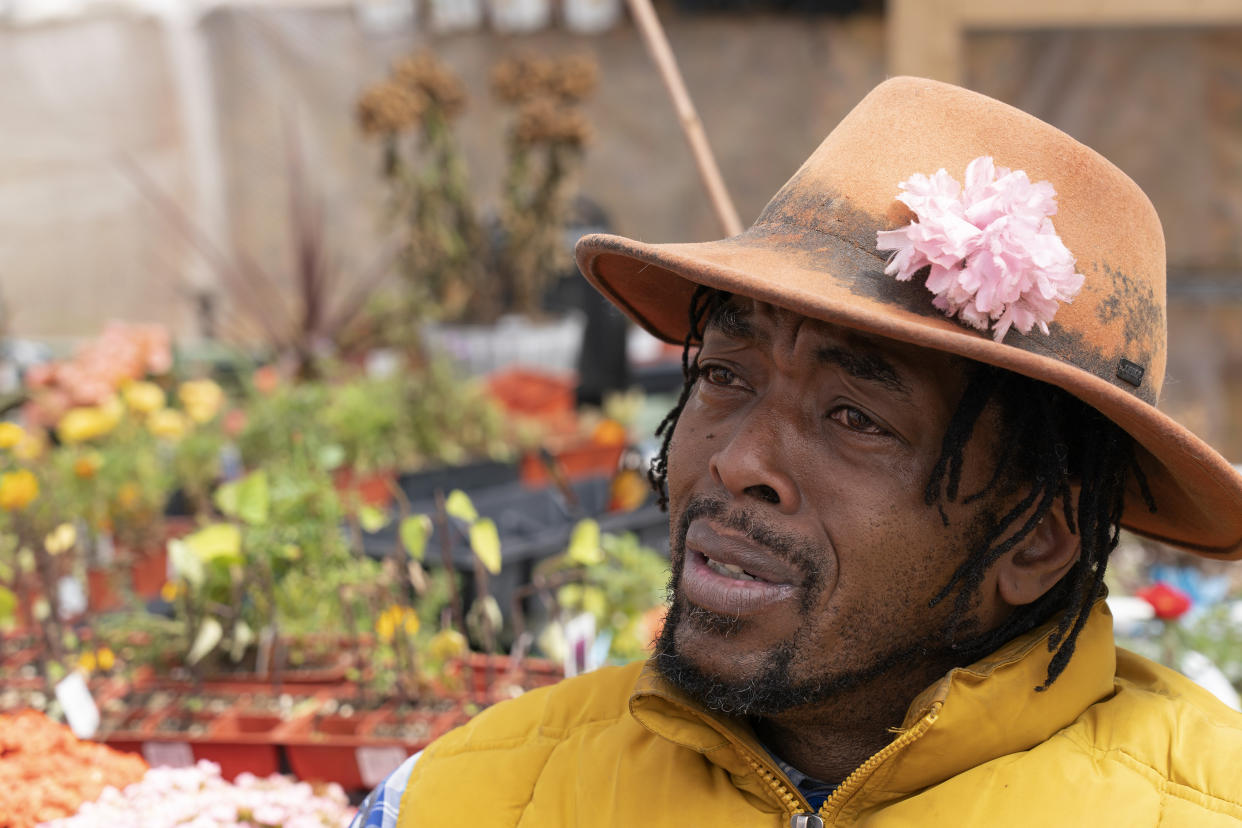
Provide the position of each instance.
(423, 485)
(534, 524)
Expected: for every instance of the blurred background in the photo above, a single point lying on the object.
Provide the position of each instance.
(280, 280)
(207, 102)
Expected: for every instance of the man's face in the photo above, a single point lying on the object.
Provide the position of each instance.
(805, 557)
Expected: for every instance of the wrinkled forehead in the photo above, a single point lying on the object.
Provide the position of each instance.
(762, 324)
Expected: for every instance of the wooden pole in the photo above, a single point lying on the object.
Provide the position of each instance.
(649, 26)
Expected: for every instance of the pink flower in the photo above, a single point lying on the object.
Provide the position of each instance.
(994, 258)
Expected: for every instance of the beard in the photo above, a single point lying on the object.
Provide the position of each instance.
(773, 687)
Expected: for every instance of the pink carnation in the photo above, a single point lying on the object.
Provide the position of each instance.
(995, 258)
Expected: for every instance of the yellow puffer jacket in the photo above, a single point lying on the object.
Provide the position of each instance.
(1116, 741)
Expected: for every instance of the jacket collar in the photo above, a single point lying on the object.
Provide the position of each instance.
(982, 711)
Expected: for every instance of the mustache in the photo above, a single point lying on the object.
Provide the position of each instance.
(790, 548)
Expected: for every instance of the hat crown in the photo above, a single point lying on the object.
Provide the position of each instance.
(814, 251)
(1116, 326)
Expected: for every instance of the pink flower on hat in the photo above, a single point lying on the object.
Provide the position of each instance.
(995, 258)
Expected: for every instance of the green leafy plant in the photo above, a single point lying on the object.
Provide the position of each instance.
(367, 418)
(614, 578)
(234, 575)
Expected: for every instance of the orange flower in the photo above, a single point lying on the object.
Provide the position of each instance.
(57, 772)
(609, 433)
(87, 465)
(266, 379)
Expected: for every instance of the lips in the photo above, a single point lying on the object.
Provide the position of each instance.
(730, 574)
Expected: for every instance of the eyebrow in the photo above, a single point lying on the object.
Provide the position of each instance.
(734, 322)
(865, 366)
(861, 363)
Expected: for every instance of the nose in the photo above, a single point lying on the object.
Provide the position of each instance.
(753, 462)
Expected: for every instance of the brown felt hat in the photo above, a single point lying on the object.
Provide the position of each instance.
(813, 251)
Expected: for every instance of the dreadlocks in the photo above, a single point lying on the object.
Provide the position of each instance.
(1049, 438)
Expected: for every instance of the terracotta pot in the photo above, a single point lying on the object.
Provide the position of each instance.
(492, 678)
(337, 725)
(149, 571)
(329, 750)
(15, 658)
(533, 394)
(184, 724)
(588, 459)
(101, 593)
(28, 594)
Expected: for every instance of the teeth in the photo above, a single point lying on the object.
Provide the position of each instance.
(729, 570)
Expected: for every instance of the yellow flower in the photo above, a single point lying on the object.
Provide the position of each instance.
(128, 495)
(10, 435)
(446, 644)
(31, 447)
(87, 662)
(385, 626)
(201, 399)
(61, 539)
(168, 423)
(18, 489)
(143, 397)
(105, 658)
(170, 590)
(78, 425)
(395, 617)
(82, 424)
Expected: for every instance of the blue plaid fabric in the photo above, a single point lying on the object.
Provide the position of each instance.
(379, 809)
(815, 791)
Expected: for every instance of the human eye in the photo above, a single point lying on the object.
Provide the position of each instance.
(857, 420)
(721, 376)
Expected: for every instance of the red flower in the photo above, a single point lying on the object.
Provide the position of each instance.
(1170, 603)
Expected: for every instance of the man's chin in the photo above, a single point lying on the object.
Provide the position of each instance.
(689, 655)
(728, 674)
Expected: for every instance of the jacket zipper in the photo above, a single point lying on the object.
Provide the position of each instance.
(799, 809)
(793, 802)
(832, 807)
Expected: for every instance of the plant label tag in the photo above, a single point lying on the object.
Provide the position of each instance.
(75, 699)
(168, 754)
(105, 549)
(375, 763)
(579, 638)
(71, 597)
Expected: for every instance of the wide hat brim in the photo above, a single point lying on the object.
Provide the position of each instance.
(829, 269)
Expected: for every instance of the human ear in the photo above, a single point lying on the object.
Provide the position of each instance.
(1043, 557)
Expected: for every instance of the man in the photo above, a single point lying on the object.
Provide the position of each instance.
(919, 402)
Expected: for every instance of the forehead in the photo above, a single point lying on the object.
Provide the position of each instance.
(886, 362)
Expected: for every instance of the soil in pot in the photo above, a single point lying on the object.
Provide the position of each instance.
(415, 724)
